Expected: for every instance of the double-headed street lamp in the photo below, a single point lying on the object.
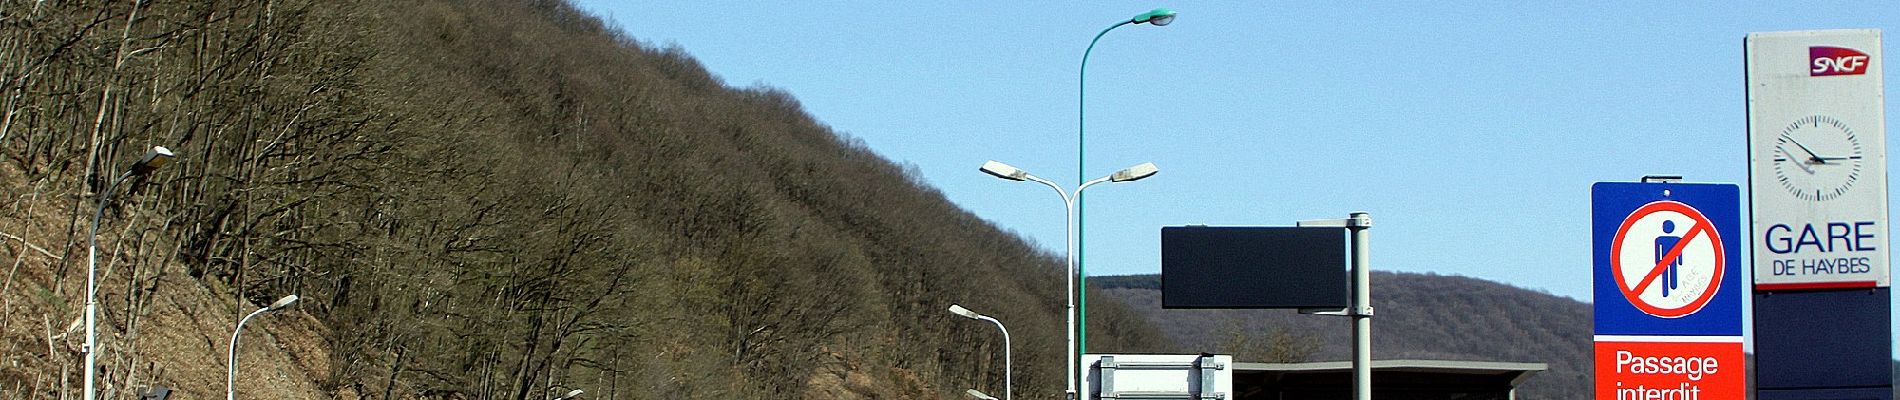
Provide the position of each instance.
(1071, 226)
(966, 313)
(1157, 17)
(230, 377)
(157, 157)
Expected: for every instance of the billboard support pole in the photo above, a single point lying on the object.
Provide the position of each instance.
(1361, 308)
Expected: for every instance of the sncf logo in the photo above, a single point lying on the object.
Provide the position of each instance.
(1826, 61)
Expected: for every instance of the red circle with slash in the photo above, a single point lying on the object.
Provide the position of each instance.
(1699, 226)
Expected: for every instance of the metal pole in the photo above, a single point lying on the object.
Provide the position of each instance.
(1077, 346)
(230, 377)
(1077, 270)
(1082, 167)
(1069, 239)
(92, 286)
(1069, 225)
(1007, 385)
(1361, 306)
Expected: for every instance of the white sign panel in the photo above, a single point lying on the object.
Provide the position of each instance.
(1158, 376)
(1817, 159)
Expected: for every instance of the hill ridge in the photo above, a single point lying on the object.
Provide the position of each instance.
(1419, 316)
(1560, 336)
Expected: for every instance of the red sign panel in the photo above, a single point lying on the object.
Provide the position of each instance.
(1687, 370)
(1829, 61)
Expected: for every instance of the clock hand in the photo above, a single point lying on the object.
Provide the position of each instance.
(1814, 158)
(1803, 164)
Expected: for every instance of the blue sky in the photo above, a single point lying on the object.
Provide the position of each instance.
(1471, 131)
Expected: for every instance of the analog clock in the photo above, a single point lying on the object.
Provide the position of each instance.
(1817, 158)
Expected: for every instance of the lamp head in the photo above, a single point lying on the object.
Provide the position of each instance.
(1135, 173)
(1158, 17)
(1004, 171)
(979, 395)
(571, 394)
(283, 302)
(157, 157)
(965, 312)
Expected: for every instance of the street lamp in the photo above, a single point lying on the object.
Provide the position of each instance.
(1156, 17)
(1072, 228)
(978, 395)
(966, 313)
(230, 378)
(157, 157)
(571, 394)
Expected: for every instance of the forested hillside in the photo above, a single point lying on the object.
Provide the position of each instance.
(1416, 316)
(477, 199)
(504, 199)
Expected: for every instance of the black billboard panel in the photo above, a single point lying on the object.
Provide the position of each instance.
(1253, 267)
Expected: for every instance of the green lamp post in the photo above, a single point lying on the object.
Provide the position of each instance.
(1157, 17)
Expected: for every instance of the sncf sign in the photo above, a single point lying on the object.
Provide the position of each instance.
(1826, 61)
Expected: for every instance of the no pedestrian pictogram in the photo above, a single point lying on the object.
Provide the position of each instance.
(1667, 259)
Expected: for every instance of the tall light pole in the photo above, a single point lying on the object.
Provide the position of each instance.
(571, 394)
(230, 377)
(1070, 234)
(966, 313)
(1157, 17)
(157, 157)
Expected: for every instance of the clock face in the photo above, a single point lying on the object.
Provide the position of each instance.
(1818, 158)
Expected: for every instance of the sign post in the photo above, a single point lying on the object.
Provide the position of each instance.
(1818, 195)
(1668, 299)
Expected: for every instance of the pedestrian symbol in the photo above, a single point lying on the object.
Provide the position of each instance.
(1667, 259)
(1665, 243)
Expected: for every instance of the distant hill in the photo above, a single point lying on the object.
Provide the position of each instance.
(1416, 316)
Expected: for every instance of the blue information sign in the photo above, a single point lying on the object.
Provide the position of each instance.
(1667, 259)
